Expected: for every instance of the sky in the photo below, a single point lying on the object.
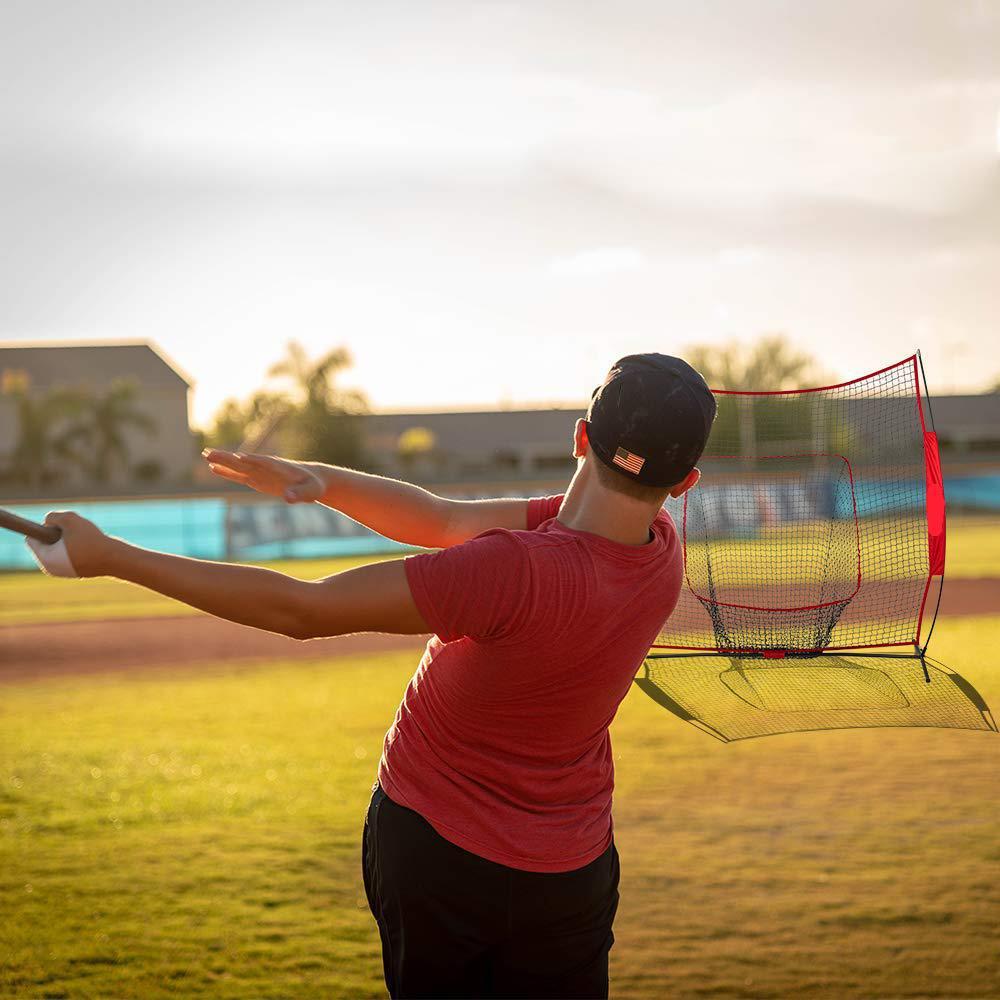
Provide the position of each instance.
(488, 202)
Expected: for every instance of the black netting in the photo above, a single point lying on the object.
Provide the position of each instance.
(736, 698)
(809, 529)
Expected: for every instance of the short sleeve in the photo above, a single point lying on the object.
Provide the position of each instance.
(542, 509)
(480, 589)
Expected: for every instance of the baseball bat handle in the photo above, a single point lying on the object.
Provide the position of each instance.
(47, 533)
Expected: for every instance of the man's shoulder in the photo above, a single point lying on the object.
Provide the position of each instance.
(673, 544)
(525, 541)
(511, 544)
(664, 521)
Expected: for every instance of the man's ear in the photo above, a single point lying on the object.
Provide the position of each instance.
(691, 479)
(580, 442)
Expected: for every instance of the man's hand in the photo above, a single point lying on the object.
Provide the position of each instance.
(276, 477)
(89, 549)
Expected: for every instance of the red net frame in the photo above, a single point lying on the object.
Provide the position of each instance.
(819, 524)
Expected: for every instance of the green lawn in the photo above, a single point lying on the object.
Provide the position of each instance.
(198, 836)
(34, 597)
(973, 551)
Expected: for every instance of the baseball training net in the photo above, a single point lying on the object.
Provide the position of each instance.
(818, 531)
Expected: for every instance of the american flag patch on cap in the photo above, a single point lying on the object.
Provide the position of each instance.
(628, 461)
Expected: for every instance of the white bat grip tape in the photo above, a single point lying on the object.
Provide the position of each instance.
(53, 559)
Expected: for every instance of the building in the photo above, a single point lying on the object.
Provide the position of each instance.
(158, 460)
(968, 427)
(534, 445)
(530, 447)
(472, 446)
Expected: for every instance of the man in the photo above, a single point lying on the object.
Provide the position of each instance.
(488, 854)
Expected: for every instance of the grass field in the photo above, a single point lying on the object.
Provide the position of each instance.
(973, 551)
(198, 836)
(32, 597)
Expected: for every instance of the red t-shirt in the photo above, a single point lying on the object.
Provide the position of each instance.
(501, 741)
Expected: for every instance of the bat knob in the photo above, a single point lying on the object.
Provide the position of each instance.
(52, 557)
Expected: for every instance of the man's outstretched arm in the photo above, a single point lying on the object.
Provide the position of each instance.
(398, 510)
(374, 598)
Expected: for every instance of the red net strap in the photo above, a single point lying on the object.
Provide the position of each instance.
(935, 504)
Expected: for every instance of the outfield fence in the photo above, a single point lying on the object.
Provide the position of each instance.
(247, 528)
(213, 528)
(234, 528)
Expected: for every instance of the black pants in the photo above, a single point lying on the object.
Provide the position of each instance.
(456, 925)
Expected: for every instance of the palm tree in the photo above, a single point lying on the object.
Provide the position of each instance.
(102, 430)
(313, 380)
(323, 425)
(44, 435)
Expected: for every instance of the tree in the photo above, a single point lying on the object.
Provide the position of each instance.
(45, 434)
(769, 363)
(308, 416)
(100, 434)
(228, 426)
(323, 425)
(247, 424)
(149, 470)
(312, 380)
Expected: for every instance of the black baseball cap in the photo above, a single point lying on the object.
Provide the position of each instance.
(651, 418)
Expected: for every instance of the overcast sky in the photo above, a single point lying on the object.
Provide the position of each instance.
(491, 201)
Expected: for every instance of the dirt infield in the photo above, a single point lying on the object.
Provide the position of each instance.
(148, 643)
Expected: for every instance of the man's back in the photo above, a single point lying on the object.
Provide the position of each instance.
(501, 742)
(501, 739)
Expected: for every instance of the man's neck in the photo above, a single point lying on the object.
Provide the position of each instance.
(590, 506)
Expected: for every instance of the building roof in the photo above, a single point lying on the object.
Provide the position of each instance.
(98, 362)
